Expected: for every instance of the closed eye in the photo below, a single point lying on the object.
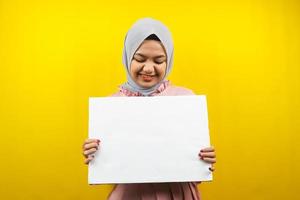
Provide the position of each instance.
(139, 59)
(159, 62)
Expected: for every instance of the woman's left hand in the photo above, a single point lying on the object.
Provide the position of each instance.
(208, 155)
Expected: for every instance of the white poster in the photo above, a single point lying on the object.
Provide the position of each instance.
(149, 139)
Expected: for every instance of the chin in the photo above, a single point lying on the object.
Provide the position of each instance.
(147, 84)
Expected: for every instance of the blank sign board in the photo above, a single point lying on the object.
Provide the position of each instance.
(149, 139)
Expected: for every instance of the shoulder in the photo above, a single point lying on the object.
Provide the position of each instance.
(178, 90)
(117, 94)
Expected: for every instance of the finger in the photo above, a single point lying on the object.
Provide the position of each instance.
(89, 152)
(88, 159)
(90, 140)
(207, 154)
(208, 149)
(208, 160)
(90, 145)
(212, 168)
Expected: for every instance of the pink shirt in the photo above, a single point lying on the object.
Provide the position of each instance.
(156, 191)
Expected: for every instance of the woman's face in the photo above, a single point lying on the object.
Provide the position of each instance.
(149, 63)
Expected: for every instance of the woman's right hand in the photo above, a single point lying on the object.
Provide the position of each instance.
(89, 147)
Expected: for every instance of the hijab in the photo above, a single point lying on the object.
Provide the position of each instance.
(135, 36)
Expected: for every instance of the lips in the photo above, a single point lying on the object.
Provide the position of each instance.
(147, 77)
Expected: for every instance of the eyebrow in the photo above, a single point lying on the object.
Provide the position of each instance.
(140, 54)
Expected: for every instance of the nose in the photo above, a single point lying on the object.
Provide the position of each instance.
(148, 68)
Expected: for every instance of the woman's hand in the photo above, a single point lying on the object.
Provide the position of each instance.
(89, 147)
(208, 155)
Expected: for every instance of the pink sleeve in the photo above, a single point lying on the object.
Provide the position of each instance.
(117, 94)
(176, 91)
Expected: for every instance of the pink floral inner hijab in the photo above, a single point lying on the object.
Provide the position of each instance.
(139, 31)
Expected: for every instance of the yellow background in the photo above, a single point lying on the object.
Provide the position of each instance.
(244, 55)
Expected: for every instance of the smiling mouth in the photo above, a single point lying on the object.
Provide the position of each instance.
(147, 77)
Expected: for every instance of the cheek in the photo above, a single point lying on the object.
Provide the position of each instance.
(162, 70)
(133, 69)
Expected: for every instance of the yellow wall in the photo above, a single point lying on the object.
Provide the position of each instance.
(244, 55)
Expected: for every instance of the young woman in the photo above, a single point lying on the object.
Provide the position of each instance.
(148, 59)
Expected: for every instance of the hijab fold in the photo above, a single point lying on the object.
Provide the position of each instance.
(139, 31)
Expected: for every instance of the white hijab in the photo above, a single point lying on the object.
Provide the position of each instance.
(139, 31)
